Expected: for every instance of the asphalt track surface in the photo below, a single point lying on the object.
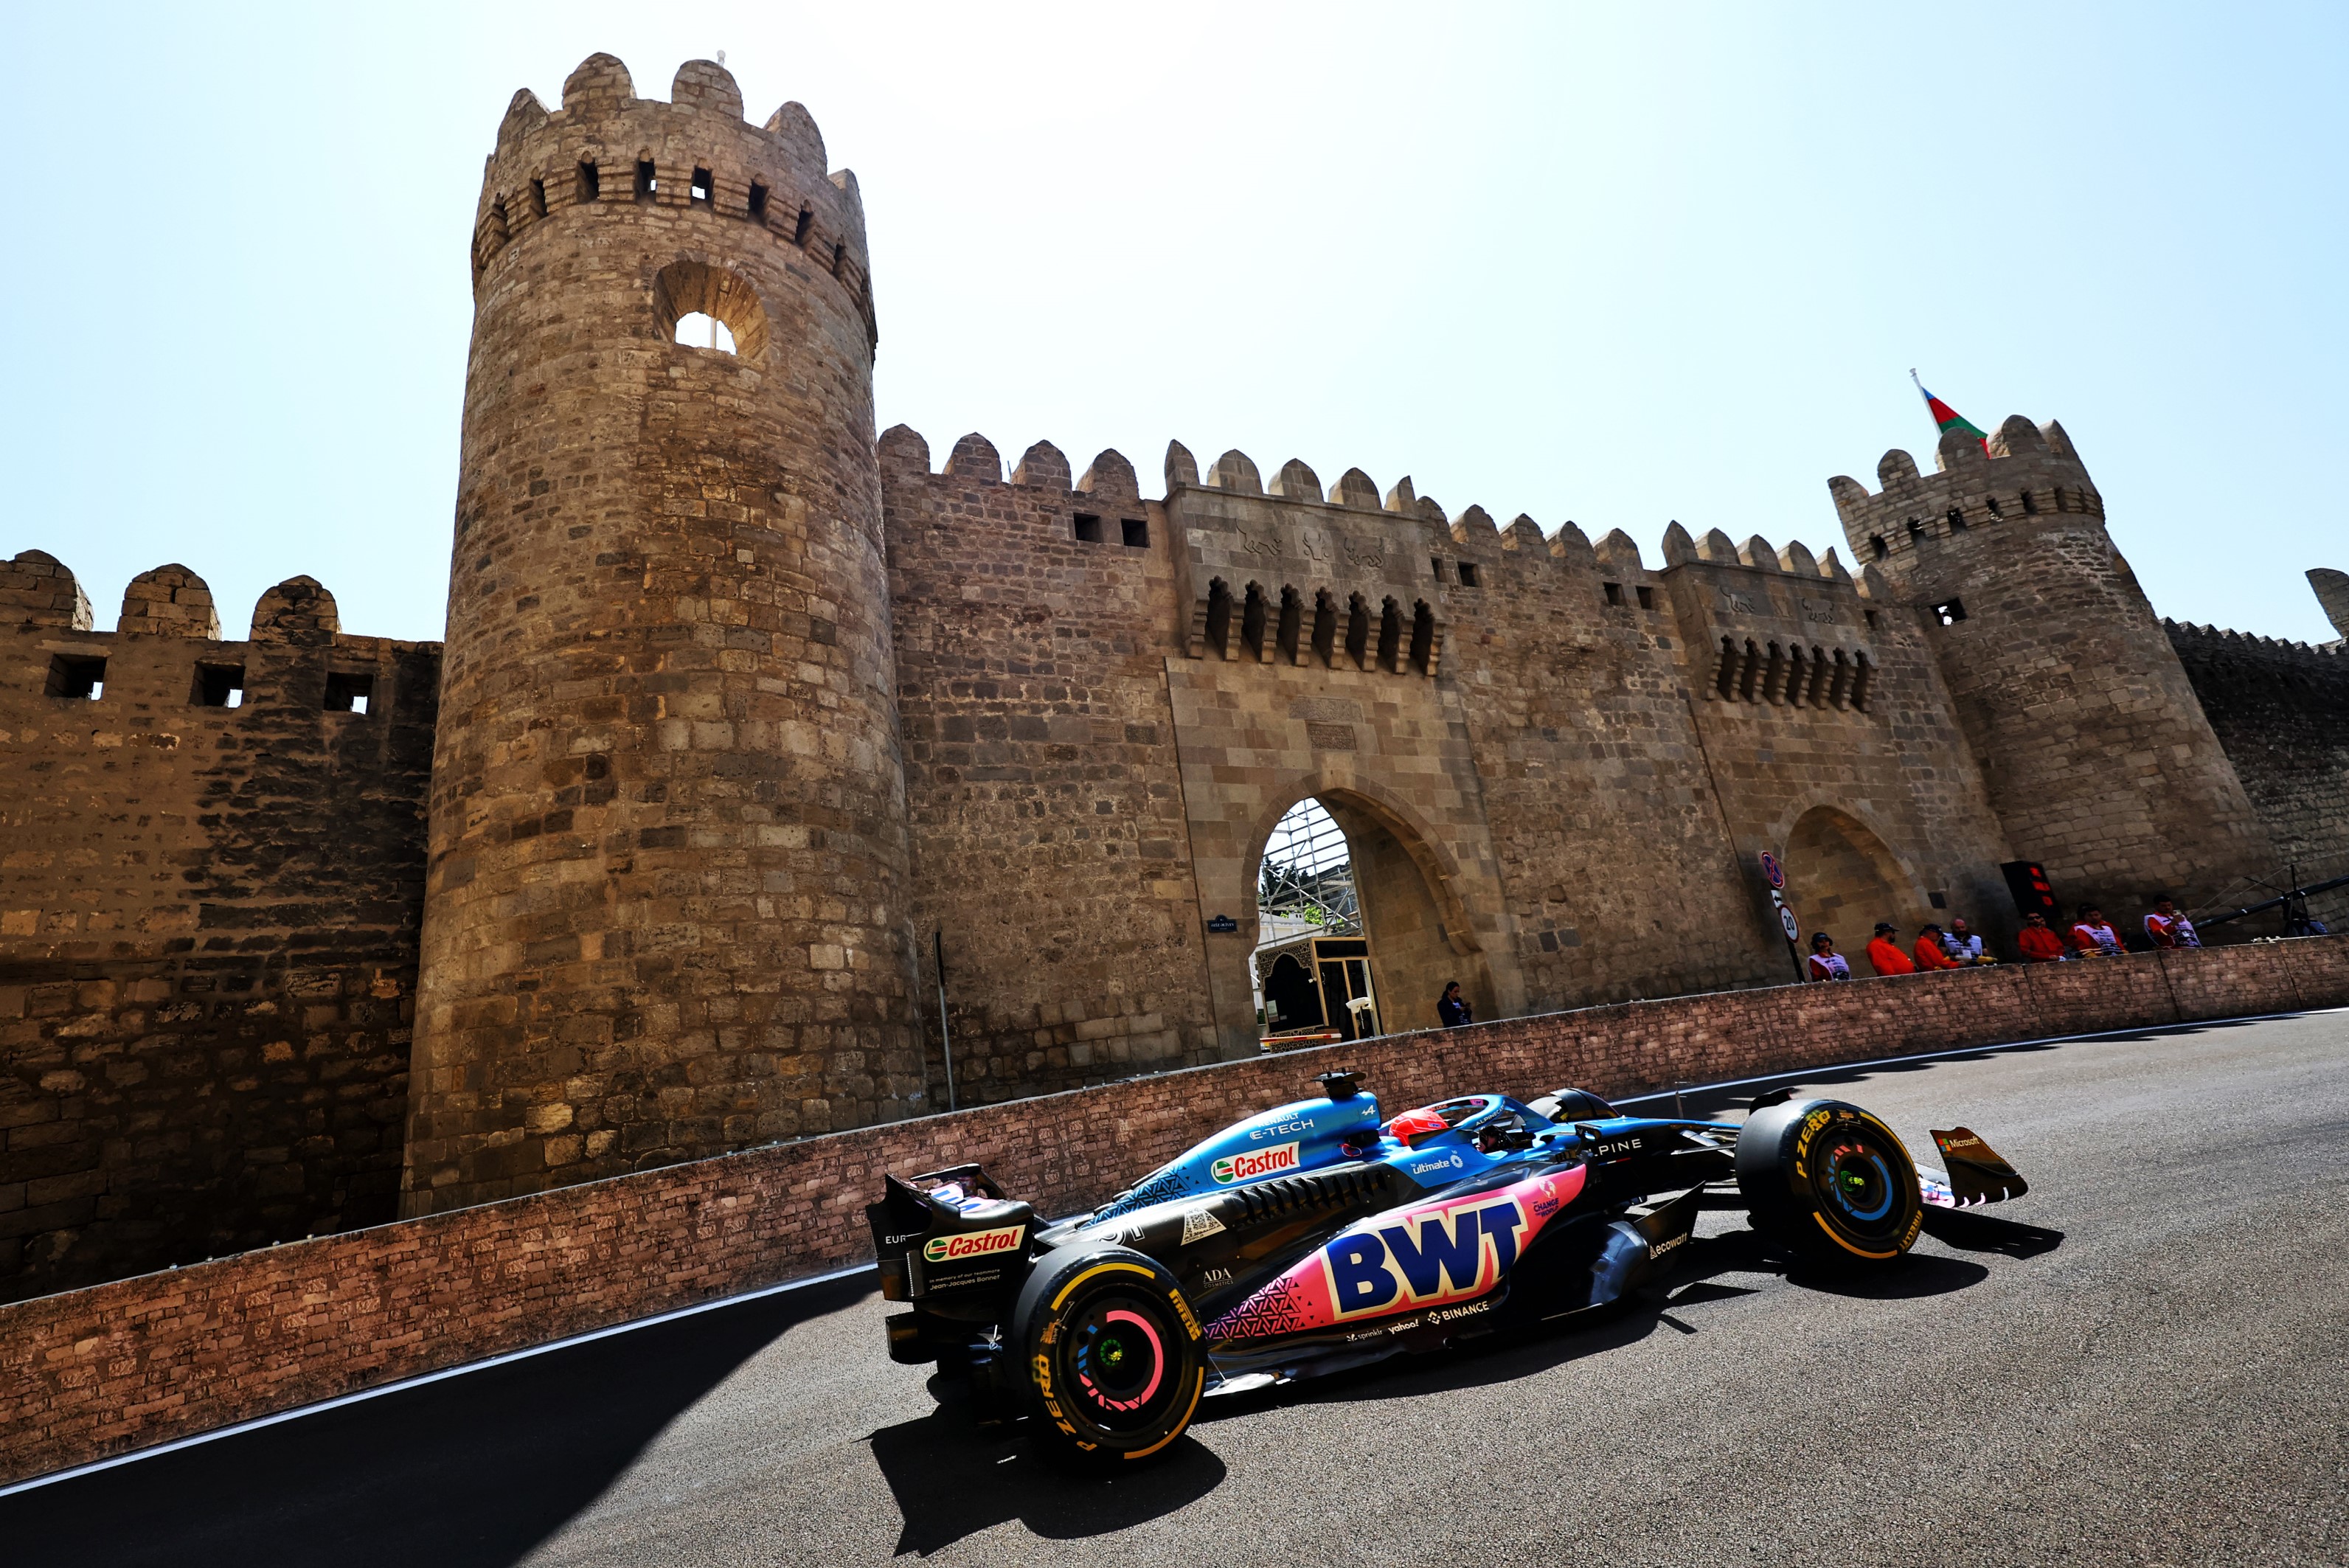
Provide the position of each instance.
(2145, 1361)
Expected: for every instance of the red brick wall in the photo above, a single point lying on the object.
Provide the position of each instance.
(123, 1366)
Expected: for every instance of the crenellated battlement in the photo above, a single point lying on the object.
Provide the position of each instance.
(607, 152)
(2028, 471)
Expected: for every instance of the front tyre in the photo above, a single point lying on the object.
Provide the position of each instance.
(1831, 1180)
(1110, 1352)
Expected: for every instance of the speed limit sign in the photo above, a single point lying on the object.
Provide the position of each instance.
(1791, 926)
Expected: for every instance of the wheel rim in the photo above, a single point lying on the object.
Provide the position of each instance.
(1118, 1353)
(1859, 1185)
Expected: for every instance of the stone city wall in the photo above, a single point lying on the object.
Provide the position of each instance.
(2281, 711)
(137, 1362)
(210, 893)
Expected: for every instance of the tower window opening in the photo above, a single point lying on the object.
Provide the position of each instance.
(1871, 619)
(704, 186)
(1957, 519)
(1087, 528)
(349, 693)
(758, 202)
(77, 677)
(800, 229)
(1468, 573)
(1991, 502)
(1647, 597)
(538, 198)
(1422, 637)
(591, 184)
(1437, 562)
(1876, 543)
(1614, 592)
(1253, 611)
(1724, 678)
(1219, 617)
(1950, 612)
(1862, 675)
(648, 183)
(2029, 505)
(219, 685)
(1390, 638)
(839, 256)
(1134, 533)
(700, 329)
(499, 222)
(1916, 529)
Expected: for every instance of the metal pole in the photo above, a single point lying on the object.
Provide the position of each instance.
(946, 1045)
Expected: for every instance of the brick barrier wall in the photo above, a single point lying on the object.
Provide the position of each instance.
(119, 1367)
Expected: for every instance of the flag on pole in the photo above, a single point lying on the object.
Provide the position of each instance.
(1947, 418)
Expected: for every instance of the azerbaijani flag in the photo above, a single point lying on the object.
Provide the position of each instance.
(1947, 418)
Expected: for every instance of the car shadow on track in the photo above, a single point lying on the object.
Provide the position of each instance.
(951, 1479)
(468, 1472)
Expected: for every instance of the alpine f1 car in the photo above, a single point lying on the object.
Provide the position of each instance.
(1316, 1237)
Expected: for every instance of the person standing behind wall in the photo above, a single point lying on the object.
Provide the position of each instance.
(2037, 943)
(1826, 962)
(1884, 954)
(2168, 927)
(1452, 1007)
(1930, 955)
(2093, 935)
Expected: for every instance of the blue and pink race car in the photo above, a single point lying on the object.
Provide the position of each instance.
(1319, 1236)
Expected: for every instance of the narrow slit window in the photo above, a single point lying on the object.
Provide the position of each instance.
(1614, 592)
(1437, 562)
(758, 202)
(500, 224)
(697, 329)
(704, 186)
(1876, 543)
(590, 183)
(219, 685)
(1957, 519)
(648, 181)
(800, 229)
(1862, 675)
(1916, 529)
(1950, 612)
(1134, 533)
(1724, 678)
(1089, 528)
(78, 677)
(1647, 597)
(1870, 615)
(538, 198)
(1468, 573)
(1390, 638)
(1252, 622)
(1422, 637)
(1325, 628)
(839, 256)
(1358, 631)
(349, 693)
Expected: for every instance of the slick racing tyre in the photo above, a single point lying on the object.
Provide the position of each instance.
(1830, 1180)
(1110, 1352)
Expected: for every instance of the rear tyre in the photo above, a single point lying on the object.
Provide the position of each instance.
(1830, 1180)
(1110, 1353)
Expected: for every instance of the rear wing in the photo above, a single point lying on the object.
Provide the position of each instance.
(948, 1234)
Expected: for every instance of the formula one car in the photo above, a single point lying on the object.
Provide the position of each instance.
(1315, 1237)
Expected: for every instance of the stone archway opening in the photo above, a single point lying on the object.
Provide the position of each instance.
(1352, 938)
(1841, 880)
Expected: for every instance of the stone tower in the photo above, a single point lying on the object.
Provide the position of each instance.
(2099, 761)
(666, 909)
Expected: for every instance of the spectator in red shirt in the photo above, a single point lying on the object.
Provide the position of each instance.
(2168, 927)
(1930, 955)
(1884, 954)
(1826, 962)
(2093, 936)
(2039, 944)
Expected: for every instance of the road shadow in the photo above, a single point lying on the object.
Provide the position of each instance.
(468, 1472)
(952, 1478)
(1970, 1231)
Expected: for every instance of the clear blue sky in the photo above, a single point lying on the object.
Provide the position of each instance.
(1617, 264)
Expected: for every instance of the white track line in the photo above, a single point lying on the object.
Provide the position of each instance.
(554, 1345)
